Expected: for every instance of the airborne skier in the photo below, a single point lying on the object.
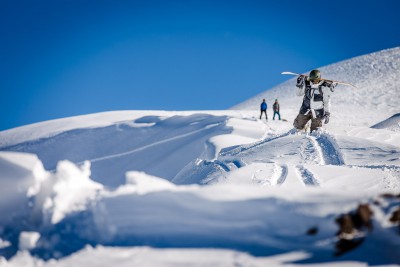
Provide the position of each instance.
(316, 101)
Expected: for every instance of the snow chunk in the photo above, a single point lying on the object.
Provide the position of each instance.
(28, 240)
(143, 183)
(20, 179)
(4, 243)
(71, 190)
(147, 183)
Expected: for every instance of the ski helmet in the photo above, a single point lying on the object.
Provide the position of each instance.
(315, 75)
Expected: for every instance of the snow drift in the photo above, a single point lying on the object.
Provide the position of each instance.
(392, 124)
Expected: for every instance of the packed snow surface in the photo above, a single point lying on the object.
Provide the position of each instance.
(209, 188)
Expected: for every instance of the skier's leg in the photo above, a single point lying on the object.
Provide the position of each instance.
(315, 124)
(301, 121)
(265, 112)
(273, 118)
(279, 115)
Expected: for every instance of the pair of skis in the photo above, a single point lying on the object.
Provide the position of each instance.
(328, 80)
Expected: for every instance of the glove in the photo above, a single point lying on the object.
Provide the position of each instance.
(331, 85)
(326, 117)
(300, 81)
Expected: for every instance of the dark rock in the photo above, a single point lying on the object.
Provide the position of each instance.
(312, 231)
(350, 225)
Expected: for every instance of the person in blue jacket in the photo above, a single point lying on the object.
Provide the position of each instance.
(263, 108)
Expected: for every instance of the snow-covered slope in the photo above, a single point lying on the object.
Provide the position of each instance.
(158, 143)
(209, 188)
(378, 95)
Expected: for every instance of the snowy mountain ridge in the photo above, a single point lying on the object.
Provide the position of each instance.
(210, 188)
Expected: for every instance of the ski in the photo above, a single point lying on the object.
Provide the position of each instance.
(329, 80)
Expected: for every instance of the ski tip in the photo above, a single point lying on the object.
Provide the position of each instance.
(291, 73)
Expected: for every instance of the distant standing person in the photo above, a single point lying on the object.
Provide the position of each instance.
(275, 107)
(316, 101)
(263, 108)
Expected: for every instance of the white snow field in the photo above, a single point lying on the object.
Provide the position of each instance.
(211, 188)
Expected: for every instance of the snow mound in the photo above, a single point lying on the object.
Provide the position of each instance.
(392, 124)
(70, 189)
(33, 198)
(238, 217)
(142, 183)
(157, 145)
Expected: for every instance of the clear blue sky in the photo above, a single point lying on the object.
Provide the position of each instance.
(72, 57)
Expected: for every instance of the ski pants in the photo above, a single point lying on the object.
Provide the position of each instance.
(264, 111)
(279, 115)
(301, 121)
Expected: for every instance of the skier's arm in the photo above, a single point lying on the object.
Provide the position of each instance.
(301, 85)
(330, 84)
(327, 99)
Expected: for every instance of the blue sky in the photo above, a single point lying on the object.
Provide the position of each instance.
(73, 57)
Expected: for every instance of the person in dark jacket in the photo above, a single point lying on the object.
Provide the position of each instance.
(275, 107)
(316, 104)
(263, 108)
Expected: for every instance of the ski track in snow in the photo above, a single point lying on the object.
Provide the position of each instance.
(330, 150)
(283, 175)
(322, 149)
(306, 176)
(243, 148)
(311, 151)
(319, 149)
(151, 145)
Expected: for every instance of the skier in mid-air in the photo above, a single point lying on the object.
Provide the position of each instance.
(316, 101)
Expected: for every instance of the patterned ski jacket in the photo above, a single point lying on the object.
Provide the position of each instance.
(276, 106)
(317, 97)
